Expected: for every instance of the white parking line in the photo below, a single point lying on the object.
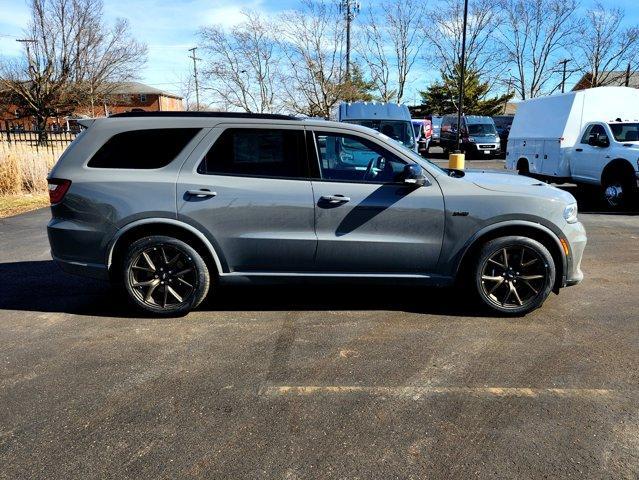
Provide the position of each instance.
(416, 392)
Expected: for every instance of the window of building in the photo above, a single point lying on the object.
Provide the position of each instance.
(143, 97)
(257, 152)
(143, 149)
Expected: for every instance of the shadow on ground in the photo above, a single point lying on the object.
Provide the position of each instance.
(40, 286)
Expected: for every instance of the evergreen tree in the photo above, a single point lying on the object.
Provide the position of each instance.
(442, 97)
(357, 88)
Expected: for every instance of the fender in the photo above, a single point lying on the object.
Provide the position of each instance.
(165, 221)
(556, 236)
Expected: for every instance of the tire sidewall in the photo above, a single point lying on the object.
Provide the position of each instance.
(202, 277)
(493, 246)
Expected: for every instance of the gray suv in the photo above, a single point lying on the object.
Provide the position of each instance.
(170, 204)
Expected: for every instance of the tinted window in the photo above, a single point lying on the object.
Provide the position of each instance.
(355, 159)
(625, 132)
(257, 152)
(143, 149)
(594, 130)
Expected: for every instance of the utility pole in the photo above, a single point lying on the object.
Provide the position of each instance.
(627, 83)
(350, 8)
(197, 87)
(563, 77)
(461, 78)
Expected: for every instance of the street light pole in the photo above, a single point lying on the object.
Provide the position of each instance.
(197, 87)
(460, 104)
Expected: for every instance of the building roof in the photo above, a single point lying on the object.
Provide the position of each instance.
(614, 78)
(137, 88)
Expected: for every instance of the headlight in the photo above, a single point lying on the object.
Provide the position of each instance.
(570, 213)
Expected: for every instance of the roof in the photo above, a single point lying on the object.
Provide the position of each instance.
(373, 110)
(614, 78)
(137, 88)
(264, 116)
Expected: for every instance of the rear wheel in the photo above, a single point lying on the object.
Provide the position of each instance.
(165, 276)
(523, 168)
(514, 275)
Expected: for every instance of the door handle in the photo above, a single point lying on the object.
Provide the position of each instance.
(579, 149)
(201, 193)
(335, 198)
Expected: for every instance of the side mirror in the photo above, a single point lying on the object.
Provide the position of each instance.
(413, 174)
(602, 141)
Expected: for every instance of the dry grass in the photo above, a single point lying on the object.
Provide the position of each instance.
(24, 168)
(14, 204)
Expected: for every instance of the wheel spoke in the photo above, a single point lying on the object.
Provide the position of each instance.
(527, 283)
(492, 279)
(528, 263)
(149, 261)
(505, 257)
(183, 272)
(148, 297)
(173, 260)
(146, 283)
(174, 293)
(496, 286)
(514, 291)
(492, 260)
(530, 277)
(503, 302)
(146, 269)
(166, 260)
(184, 282)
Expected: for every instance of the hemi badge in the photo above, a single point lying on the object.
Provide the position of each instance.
(460, 214)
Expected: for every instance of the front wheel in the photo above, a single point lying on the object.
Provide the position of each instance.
(618, 192)
(514, 275)
(165, 276)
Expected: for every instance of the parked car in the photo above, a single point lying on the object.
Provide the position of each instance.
(171, 204)
(423, 133)
(478, 136)
(588, 137)
(503, 124)
(391, 119)
(436, 123)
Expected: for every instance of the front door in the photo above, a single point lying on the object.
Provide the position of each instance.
(366, 220)
(247, 188)
(589, 156)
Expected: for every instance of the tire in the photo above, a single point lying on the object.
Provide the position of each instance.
(618, 191)
(518, 284)
(164, 276)
(523, 168)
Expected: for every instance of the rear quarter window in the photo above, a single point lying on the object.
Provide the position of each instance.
(142, 149)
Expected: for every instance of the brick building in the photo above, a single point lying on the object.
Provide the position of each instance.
(125, 97)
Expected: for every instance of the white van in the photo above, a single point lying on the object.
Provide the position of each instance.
(588, 136)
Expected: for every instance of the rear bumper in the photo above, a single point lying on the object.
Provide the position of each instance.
(91, 270)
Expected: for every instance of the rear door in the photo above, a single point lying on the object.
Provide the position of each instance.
(246, 186)
(366, 220)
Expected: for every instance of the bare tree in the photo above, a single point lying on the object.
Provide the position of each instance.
(243, 65)
(535, 36)
(311, 39)
(71, 58)
(391, 47)
(444, 32)
(604, 49)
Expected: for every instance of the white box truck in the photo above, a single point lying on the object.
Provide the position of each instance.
(586, 137)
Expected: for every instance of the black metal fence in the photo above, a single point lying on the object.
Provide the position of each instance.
(51, 140)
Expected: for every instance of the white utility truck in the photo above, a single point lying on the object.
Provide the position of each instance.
(587, 137)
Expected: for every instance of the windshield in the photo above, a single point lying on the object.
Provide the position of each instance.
(625, 132)
(481, 129)
(399, 130)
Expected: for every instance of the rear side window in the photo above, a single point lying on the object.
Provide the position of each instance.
(143, 149)
(257, 152)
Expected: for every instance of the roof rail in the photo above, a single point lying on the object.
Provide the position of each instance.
(265, 116)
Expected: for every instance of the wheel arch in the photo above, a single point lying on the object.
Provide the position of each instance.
(536, 231)
(162, 226)
(622, 165)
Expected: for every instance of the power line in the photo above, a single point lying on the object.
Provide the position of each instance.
(197, 87)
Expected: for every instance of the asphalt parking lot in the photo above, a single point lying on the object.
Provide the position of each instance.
(319, 382)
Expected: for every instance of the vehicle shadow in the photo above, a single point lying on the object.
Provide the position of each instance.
(40, 286)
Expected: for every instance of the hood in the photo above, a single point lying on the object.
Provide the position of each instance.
(508, 182)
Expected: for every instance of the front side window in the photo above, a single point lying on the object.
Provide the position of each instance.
(625, 132)
(597, 131)
(142, 149)
(257, 152)
(350, 158)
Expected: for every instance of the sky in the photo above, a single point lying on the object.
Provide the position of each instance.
(169, 30)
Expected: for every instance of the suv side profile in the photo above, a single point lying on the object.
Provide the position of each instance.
(171, 204)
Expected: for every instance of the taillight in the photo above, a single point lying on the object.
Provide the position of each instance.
(58, 189)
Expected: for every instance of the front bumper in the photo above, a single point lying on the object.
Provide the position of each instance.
(575, 234)
(483, 149)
